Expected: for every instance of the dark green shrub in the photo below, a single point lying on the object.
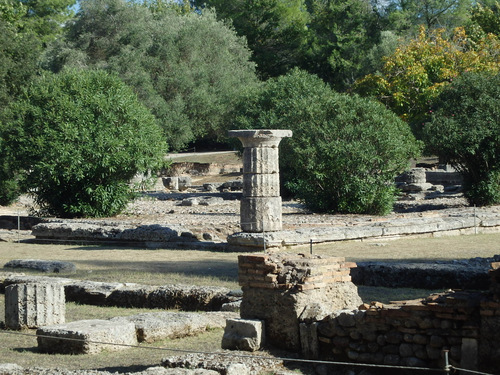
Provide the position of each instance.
(465, 131)
(80, 136)
(345, 150)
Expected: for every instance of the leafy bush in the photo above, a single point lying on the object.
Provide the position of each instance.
(80, 136)
(465, 131)
(345, 150)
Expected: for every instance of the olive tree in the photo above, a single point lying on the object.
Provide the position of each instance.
(187, 68)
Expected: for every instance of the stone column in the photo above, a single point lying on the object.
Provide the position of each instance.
(32, 305)
(260, 208)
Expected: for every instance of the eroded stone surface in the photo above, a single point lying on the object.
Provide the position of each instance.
(53, 266)
(31, 305)
(87, 336)
(243, 334)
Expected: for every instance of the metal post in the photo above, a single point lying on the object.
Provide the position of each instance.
(475, 225)
(18, 226)
(447, 366)
(311, 246)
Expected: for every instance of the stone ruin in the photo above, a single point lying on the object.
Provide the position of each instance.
(308, 304)
(260, 208)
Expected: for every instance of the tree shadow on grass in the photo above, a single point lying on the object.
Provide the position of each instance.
(219, 269)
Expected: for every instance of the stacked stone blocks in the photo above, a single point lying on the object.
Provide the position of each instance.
(260, 207)
(285, 289)
(302, 273)
(31, 305)
(409, 333)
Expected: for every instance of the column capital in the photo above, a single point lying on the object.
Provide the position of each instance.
(260, 137)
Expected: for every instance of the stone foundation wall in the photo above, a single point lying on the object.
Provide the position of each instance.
(308, 303)
(413, 333)
(285, 289)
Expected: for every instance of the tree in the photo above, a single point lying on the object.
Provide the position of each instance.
(42, 18)
(407, 15)
(345, 150)
(187, 68)
(79, 137)
(276, 30)
(485, 19)
(18, 65)
(340, 34)
(465, 130)
(415, 74)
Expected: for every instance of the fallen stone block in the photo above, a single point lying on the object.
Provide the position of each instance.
(151, 327)
(90, 292)
(87, 336)
(31, 305)
(130, 295)
(52, 266)
(106, 232)
(243, 334)
(188, 298)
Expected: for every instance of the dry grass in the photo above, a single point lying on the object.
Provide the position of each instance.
(158, 267)
(22, 349)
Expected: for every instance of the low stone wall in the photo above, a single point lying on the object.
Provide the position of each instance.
(471, 274)
(413, 333)
(293, 295)
(183, 297)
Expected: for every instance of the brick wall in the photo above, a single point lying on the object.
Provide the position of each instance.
(308, 303)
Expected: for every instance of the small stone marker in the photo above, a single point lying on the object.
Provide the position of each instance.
(31, 305)
(243, 334)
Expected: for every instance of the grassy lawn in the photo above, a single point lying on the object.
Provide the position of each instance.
(160, 267)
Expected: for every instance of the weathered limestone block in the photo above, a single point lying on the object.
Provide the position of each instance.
(309, 340)
(54, 266)
(152, 327)
(241, 334)
(260, 214)
(414, 176)
(281, 309)
(261, 185)
(171, 183)
(31, 305)
(87, 336)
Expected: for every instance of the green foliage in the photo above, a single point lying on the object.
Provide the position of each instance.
(465, 131)
(18, 65)
(414, 75)
(276, 30)
(43, 19)
(79, 137)
(340, 34)
(345, 150)
(187, 68)
(409, 15)
(486, 19)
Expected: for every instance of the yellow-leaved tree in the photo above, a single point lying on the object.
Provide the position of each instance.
(416, 73)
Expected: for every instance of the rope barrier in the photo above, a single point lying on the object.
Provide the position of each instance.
(236, 355)
(470, 371)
